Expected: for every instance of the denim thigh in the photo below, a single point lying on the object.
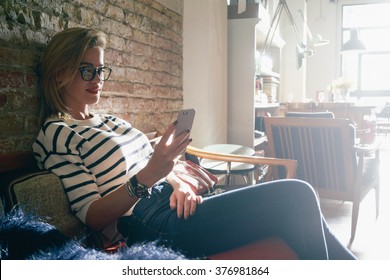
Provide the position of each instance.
(287, 209)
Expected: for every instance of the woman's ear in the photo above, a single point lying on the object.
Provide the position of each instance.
(62, 78)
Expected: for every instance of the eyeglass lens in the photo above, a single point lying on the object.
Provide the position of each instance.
(88, 73)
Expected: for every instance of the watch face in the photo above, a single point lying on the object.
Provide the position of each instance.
(140, 190)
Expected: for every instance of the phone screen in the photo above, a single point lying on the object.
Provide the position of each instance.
(185, 120)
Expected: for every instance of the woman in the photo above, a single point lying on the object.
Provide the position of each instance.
(117, 184)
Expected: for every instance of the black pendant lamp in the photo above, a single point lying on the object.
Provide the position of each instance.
(353, 44)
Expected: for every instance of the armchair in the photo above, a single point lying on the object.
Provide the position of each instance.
(287, 164)
(41, 193)
(328, 158)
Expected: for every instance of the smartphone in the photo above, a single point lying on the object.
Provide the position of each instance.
(185, 119)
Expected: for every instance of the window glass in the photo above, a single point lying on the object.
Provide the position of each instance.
(378, 79)
(377, 39)
(371, 68)
(358, 16)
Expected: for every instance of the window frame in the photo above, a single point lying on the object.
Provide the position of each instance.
(359, 92)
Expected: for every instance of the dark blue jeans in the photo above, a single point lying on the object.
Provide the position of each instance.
(285, 208)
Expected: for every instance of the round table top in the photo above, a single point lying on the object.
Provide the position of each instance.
(230, 149)
(221, 166)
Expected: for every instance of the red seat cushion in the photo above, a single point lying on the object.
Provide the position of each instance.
(265, 249)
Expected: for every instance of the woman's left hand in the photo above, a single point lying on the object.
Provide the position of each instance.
(183, 199)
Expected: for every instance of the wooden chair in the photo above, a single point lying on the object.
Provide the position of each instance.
(289, 166)
(327, 158)
(272, 248)
(383, 120)
(320, 114)
(366, 134)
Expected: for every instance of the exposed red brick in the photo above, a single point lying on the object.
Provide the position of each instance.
(144, 50)
(118, 87)
(11, 79)
(3, 100)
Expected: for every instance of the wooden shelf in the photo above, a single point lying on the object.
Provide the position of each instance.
(266, 105)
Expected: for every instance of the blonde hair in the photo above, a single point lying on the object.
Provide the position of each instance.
(64, 53)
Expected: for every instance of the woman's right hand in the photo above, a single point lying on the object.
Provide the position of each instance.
(166, 151)
(183, 199)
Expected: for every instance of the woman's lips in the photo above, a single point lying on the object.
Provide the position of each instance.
(93, 91)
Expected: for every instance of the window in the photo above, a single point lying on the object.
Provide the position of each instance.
(371, 68)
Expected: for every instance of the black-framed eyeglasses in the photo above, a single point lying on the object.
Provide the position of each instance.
(88, 73)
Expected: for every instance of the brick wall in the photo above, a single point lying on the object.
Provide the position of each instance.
(144, 50)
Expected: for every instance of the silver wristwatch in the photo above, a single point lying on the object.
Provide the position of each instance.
(137, 189)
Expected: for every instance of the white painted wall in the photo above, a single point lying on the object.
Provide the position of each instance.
(324, 66)
(241, 81)
(205, 68)
(292, 80)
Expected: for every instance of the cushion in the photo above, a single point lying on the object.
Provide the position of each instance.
(272, 248)
(43, 194)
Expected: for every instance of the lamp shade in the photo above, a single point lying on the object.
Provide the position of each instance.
(318, 41)
(353, 44)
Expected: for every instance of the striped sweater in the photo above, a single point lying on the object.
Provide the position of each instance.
(91, 157)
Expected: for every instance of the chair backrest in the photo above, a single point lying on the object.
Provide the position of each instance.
(384, 112)
(323, 148)
(325, 114)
